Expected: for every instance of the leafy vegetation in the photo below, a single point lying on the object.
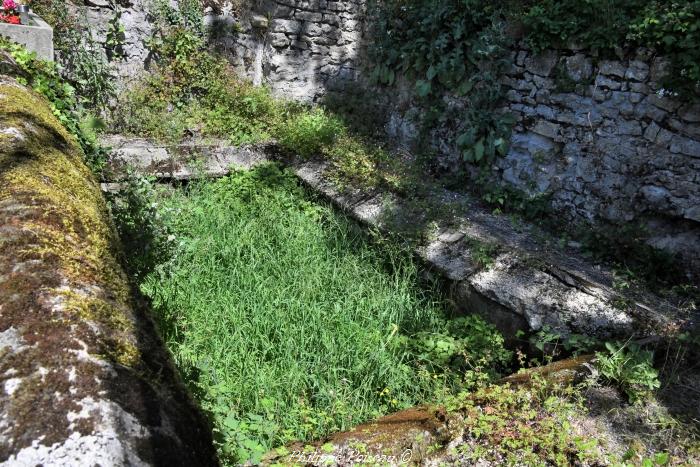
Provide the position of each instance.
(630, 367)
(524, 426)
(288, 325)
(44, 78)
(671, 27)
(458, 46)
(83, 64)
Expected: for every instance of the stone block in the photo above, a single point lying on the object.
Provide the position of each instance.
(542, 64)
(579, 67)
(637, 71)
(613, 68)
(36, 37)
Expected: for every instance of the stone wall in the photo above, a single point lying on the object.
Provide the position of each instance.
(137, 29)
(601, 137)
(300, 48)
(84, 377)
(608, 142)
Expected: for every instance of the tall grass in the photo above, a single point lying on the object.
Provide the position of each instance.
(285, 321)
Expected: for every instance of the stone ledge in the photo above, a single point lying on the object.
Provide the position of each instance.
(528, 286)
(37, 37)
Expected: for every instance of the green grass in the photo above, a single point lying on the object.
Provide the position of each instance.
(289, 325)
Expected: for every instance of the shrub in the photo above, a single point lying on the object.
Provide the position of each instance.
(630, 368)
(142, 230)
(309, 133)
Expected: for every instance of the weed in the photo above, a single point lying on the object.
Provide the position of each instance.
(44, 78)
(289, 326)
(140, 224)
(309, 133)
(629, 367)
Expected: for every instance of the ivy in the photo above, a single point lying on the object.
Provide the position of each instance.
(44, 78)
(672, 28)
(455, 47)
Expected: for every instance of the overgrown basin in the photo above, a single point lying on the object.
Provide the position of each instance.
(286, 320)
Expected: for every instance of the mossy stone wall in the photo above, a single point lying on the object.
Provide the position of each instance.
(84, 378)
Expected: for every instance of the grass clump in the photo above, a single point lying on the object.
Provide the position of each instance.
(288, 325)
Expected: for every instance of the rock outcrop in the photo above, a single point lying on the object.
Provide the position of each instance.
(84, 377)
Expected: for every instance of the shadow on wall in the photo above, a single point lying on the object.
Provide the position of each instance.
(301, 48)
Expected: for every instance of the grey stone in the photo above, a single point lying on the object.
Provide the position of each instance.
(652, 131)
(613, 68)
(685, 146)
(36, 37)
(629, 127)
(286, 26)
(668, 104)
(279, 40)
(655, 195)
(542, 64)
(579, 67)
(605, 82)
(690, 113)
(637, 71)
(548, 129)
(259, 22)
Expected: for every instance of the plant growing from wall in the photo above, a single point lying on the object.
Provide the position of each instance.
(672, 28)
(83, 63)
(45, 79)
(455, 47)
(114, 41)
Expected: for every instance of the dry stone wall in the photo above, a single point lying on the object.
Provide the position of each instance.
(300, 48)
(602, 138)
(608, 142)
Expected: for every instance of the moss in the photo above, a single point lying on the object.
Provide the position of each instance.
(70, 218)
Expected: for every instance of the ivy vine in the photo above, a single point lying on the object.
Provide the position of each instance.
(454, 47)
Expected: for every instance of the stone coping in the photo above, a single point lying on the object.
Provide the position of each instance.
(528, 285)
(36, 37)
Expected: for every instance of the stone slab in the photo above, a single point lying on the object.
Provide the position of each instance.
(36, 37)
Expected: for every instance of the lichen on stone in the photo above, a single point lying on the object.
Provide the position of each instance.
(71, 328)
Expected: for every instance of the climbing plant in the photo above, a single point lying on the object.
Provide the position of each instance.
(45, 79)
(83, 63)
(455, 46)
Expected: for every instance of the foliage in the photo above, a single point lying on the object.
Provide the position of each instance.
(455, 46)
(191, 91)
(523, 426)
(115, 37)
(674, 29)
(140, 224)
(45, 79)
(671, 27)
(288, 325)
(309, 133)
(595, 24)
(83, 63)
(629, 367)
(468, 345)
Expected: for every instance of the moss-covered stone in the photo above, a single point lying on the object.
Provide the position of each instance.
(84, 376)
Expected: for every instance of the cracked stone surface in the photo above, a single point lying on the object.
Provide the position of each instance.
(84, 377)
